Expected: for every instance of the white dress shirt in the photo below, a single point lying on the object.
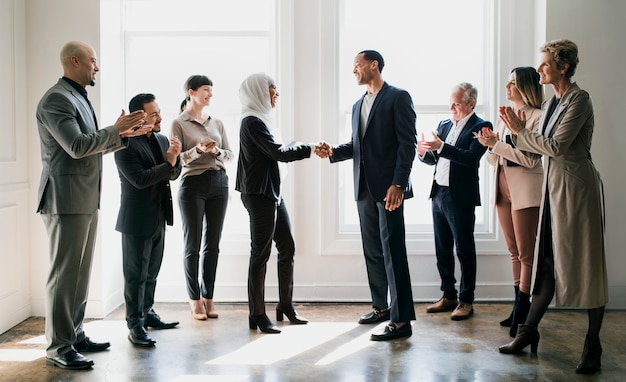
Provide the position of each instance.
(442, 171)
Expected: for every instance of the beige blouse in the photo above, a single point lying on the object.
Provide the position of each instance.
(191, 132)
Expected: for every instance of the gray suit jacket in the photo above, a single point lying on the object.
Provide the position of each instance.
(71, 152)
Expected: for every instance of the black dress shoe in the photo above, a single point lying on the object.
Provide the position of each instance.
(375, 316)
(153, 320)
(392, 332)
(71, 360)
(88, 346)
(138, 336)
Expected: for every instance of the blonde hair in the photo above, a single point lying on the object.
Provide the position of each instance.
(527, 83)
(563, 52)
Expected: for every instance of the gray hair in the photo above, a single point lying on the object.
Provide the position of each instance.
(470, 93)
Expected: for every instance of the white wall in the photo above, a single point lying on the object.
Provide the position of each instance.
(38, 29)
(49, 25)
(15, 207)
(598, 28)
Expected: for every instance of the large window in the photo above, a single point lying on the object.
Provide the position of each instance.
(224, 40)
(426, 55)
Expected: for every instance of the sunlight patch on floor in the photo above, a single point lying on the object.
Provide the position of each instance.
(21, 355)
(211, 378)
(294, 340)
(347, 349)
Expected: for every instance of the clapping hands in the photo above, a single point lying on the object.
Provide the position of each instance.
(173, 151)
(424, 146)
(487, 137)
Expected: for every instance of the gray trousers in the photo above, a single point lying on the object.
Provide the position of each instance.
(72, 240)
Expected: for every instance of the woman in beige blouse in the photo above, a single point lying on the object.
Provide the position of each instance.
(203, 192)
(518, 187)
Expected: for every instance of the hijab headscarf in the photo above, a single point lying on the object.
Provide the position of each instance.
(254, 95)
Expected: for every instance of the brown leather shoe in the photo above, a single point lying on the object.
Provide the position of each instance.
(462, 312)
(443, 305)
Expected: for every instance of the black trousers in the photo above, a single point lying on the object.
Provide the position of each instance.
(202, 199)
(454, 223)
(269, 221)
(141, 262)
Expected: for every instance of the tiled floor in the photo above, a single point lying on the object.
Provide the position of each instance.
(332, 347)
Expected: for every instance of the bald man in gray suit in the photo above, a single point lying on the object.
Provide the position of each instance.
(69, 198)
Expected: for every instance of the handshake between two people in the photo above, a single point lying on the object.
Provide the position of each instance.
(323, 150)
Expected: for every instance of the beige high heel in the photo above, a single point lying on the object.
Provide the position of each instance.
(197, 310)
(209, 308)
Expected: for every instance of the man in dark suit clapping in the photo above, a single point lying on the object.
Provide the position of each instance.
(382, 149)
(145, 169)
(455, 195)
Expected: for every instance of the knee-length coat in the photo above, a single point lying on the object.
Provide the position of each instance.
(574, 188)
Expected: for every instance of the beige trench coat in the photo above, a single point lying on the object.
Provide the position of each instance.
(576, 201)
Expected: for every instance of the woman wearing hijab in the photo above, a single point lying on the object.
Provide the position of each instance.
(258, 180)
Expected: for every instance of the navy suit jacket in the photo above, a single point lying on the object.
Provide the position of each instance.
(145, 186)
(387, 150)
(464, 159)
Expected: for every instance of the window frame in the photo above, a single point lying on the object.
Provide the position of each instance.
(341, 239)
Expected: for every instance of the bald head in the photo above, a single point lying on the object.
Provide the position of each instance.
(79, 62)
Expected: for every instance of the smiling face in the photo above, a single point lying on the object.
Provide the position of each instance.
(459, 108)
(154, 115)
(512, 92)
(202, 95)
(364, 71)
(85, 66)
(548, 70)
(273, 95)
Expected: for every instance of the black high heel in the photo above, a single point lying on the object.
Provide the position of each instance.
(291, 314)
(509, 320)
(590, 359)
(526, 335)
(263, 323)
(520, 312)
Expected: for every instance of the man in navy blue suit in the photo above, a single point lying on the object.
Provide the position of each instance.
(455, 195)
(382, 149)
(145, 168)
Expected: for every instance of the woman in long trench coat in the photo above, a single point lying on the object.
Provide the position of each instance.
(570, 246)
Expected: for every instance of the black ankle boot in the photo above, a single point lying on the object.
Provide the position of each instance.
(509, 320)
(590, 359)
(263, 323)
(520, 312)
(526, 335)
(291, 314)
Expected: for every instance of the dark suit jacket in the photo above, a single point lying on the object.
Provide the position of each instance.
(464, 159)
(387, 149)
(71, 152)
(145, 186)
(259, 154)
